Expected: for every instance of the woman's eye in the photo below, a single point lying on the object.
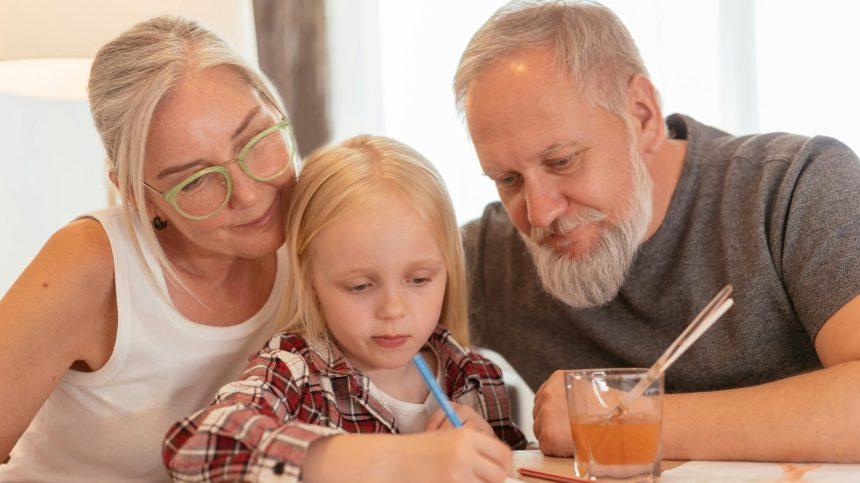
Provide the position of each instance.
(420, 280)
(193, 185)
(359, 288)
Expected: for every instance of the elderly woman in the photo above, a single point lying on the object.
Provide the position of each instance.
(132, 317)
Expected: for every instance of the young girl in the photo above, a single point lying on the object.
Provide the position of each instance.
(377, 277)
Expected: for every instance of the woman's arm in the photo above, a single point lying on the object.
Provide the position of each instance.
(60, 312)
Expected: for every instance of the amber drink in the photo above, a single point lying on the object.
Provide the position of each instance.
(614, 444)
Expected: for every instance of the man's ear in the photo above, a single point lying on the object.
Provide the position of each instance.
(643, 107)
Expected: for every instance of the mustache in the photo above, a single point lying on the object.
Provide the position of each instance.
(566, 223)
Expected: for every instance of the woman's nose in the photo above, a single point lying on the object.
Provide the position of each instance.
(246, 190)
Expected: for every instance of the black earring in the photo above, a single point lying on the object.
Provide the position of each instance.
(159, 223)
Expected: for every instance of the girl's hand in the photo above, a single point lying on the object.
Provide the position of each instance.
(470, 418)
(460, 455)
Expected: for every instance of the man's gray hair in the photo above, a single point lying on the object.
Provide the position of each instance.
(589, 40)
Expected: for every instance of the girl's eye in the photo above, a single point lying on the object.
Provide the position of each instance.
(419, 281)
(359, 288)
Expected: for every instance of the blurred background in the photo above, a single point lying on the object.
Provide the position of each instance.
(385, 67)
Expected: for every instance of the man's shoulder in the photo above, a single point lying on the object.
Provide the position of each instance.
(492, 228)
(779, 166)
(789, 150)
(726, 172)
(712, 146)
(493, 218)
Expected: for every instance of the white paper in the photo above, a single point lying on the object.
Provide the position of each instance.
(705, 471)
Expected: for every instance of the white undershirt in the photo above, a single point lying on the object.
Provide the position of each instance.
(411, 417)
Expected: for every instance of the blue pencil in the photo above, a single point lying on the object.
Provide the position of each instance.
(440, 396)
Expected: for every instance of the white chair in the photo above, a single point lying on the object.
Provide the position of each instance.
(521, 395)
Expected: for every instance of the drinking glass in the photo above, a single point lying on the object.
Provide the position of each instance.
(609, 445)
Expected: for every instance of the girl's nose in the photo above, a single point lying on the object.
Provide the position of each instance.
(392, 306)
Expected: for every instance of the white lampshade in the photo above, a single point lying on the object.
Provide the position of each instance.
(47, 46)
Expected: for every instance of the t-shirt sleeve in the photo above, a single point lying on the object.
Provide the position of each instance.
(821, 254)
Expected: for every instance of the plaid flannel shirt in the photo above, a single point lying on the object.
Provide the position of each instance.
(292, 393)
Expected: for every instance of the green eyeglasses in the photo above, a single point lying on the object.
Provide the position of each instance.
(265, 157)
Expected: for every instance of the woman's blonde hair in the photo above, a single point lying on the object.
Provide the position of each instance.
(131, 77)
(354, 175)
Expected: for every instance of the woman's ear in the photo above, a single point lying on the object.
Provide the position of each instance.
(112, 178)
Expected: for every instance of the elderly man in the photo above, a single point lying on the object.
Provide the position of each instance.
(614, 231)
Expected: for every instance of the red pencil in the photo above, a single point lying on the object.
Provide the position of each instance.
(550, 476)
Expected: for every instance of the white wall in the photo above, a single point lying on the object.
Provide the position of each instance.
(52, 171)
(808, 67)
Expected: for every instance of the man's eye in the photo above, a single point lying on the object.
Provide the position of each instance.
(508, 180)
(559, 163)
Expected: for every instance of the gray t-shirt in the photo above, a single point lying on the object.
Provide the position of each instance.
(776, 215)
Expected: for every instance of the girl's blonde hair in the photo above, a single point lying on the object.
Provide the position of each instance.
(354, 175)
(131, 77)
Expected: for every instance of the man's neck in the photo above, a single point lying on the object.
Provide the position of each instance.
(665, 169)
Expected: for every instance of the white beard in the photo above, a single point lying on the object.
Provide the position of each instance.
(594, 278)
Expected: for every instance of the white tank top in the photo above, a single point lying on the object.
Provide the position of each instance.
(108, 425)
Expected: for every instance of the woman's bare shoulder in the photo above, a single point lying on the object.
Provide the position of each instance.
(72, 275)
(83, 247)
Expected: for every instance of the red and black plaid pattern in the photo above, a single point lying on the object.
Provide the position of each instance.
(292, 392)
